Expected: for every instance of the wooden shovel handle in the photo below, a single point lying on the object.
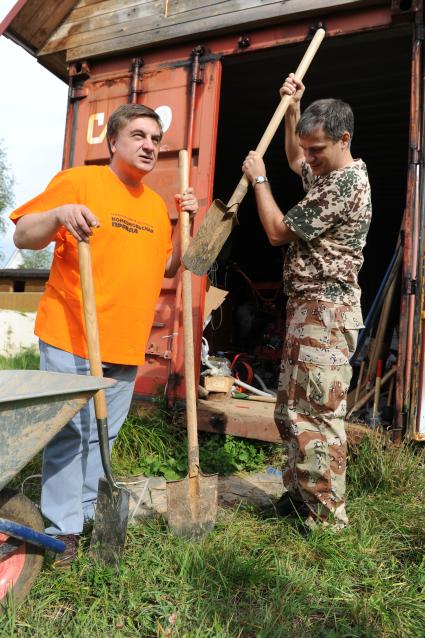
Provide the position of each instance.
(184, 215)
(268, 134)
(189, 357)
(90, 317)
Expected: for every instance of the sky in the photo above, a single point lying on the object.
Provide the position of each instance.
(32, 122)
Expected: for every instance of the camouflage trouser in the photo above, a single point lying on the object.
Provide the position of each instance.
(311, 403)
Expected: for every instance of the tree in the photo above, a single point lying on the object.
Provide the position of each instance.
(37, 259)
(30, 258)
(6, 188)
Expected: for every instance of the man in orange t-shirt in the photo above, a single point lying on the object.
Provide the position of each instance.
(132, 247)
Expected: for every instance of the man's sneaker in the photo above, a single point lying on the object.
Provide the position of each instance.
(70, 554)
(288, 506)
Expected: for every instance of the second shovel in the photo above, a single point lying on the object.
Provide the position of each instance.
(192, 501)
(220, 219)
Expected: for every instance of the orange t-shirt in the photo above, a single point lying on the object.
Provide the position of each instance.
(129, 252)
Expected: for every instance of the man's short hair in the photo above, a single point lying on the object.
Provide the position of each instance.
(124, 114)
(334, 115)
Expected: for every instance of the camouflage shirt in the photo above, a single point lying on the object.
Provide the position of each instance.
(332, 223)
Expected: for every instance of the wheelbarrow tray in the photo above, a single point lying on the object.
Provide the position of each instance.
(34, 406)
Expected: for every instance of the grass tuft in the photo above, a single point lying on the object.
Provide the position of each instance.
(376, 465)
(26, 359)
(156, 444)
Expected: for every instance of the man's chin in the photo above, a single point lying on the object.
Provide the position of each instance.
(146, 167)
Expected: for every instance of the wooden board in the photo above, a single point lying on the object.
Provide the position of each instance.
(22, 301)
(255, 420)
(112, 26)
(37, 20)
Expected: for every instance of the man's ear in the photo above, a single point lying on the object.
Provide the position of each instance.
(112, 144)
(346, 138)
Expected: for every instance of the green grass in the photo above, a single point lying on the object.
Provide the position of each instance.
(26, 359)
(157, 445)
(252, 577)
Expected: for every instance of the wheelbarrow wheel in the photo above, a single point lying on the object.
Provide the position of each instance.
(19, 569)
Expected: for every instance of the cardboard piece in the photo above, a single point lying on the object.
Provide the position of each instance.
(214, 297)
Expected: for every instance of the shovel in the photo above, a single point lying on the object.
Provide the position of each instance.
(220, 219)
(192, 501)
(110, 527)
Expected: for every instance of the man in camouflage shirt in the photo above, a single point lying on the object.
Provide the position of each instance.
(326, 233)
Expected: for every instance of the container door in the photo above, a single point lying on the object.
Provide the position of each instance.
(418, 391)
(410, 365)
(165, 89)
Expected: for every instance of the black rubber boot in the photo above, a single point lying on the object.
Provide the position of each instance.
(288, 506)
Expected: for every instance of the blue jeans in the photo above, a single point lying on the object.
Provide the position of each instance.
(71, 462)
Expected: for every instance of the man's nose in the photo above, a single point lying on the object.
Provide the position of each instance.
(148, 143)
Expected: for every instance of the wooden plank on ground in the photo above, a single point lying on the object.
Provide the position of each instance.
(248, 420)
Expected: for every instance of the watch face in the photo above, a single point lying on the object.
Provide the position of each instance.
(260, 179)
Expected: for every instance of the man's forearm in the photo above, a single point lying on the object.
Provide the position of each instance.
(293, 151)
(271, 217)
(36, 230)
(185, 201)
(174, 259)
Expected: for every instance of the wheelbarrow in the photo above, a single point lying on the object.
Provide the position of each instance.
(34, 406)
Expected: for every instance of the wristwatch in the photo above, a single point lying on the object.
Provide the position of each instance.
(260, 179)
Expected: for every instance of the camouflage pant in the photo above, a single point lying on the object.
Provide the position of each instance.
(311, 403)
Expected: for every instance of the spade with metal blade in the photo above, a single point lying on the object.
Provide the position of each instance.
(220, 218)
(110, 527)
(192, 501)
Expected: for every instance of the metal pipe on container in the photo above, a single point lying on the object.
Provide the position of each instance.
(194, 81)
(134, 83)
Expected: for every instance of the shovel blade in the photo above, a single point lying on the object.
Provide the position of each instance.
(204, 248)
(110, 526)
(192, 505)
